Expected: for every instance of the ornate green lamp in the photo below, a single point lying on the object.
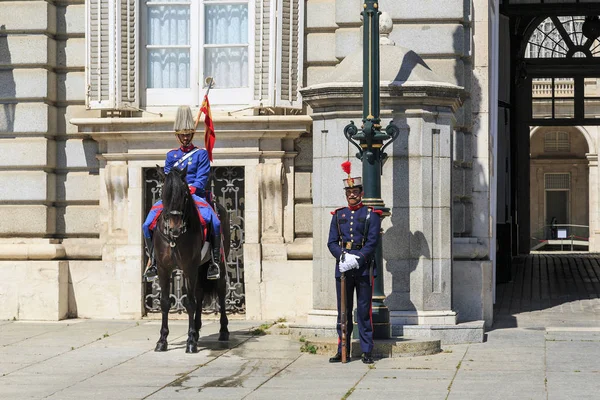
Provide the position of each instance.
(369, 140)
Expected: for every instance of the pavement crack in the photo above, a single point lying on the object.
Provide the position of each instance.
(59, 354)
(273, 376)
(353, 388)
(456, 371)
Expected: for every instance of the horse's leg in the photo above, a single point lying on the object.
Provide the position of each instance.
(199, 302)
(221, 291)
(165, 305)
(190, 281)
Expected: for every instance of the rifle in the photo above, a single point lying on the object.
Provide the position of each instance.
(343, 317)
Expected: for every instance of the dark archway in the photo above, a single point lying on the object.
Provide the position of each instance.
(547, 63)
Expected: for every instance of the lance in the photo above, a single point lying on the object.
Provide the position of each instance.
(210, 82)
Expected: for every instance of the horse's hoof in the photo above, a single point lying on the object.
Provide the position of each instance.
(191, 348)
(161, 346)
(224, 336)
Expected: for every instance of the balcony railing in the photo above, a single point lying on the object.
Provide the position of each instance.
(561, 237)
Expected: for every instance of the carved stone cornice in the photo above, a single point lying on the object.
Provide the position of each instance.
(227, 127)
(409, 94)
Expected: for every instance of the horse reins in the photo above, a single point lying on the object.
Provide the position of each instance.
(168, 231)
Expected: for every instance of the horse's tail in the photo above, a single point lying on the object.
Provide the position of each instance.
(212, 288)
(225, 227)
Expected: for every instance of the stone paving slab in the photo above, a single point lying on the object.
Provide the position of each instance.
(85, 359)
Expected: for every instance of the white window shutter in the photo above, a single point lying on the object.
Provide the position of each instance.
(112, 54)
(289, 52)
(279, 42)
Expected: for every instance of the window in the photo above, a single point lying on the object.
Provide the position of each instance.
(557, 181)
(180, 54)
(159, 52)
(556, 142)
(553, 98)
(561, 37)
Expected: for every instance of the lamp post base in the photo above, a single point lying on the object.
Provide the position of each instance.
(382, 329)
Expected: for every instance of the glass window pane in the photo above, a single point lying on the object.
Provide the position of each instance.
(564, 108)
(553, 94)
(541, 93)
(564, 87)
(542, 108)
(227, 65)
(168, 68)
(591, 108)
(169, 25)
(591, 102)
(226, 24)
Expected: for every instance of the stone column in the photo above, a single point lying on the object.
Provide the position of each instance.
(418, 239)
(593, 183)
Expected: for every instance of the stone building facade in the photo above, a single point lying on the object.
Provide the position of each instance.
(84, 116)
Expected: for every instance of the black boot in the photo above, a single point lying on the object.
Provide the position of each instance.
(151, 271)
(338, 357)
(213, 271)
(367, 358)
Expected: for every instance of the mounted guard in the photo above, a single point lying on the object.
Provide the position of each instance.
(197, 163)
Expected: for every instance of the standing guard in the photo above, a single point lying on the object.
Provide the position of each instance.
(353, 238)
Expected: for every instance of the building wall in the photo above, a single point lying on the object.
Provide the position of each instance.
(73, 190)
(453, 39)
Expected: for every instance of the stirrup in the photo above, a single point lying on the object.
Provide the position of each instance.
(213, 272)
(151, 273)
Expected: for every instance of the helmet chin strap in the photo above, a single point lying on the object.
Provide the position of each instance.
(181, 142)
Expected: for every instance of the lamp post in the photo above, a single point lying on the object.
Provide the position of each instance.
(371, 148)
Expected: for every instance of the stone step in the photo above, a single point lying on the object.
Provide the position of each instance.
(386, 348)
(467, 332)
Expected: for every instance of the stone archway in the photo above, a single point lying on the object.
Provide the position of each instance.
(559, 186)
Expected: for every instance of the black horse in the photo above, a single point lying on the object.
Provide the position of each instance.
(179, 242)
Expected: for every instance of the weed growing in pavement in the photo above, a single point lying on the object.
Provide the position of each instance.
(348, 393)
(308, 348)
(261, 330)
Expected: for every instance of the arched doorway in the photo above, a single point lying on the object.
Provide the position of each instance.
(553, 73)
(559, 189)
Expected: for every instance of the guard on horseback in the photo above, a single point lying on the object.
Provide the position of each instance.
(198, 170)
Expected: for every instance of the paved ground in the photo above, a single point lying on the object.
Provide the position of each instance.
(545, 344)
(85, 359)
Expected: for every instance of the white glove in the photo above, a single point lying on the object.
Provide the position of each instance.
(344, 266)
(352, 260)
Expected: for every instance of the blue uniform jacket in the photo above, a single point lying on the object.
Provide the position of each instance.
(351, 229)
(198, 168)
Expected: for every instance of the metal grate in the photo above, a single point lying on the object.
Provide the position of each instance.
(557, 142)
(557, 181)
(227, 184)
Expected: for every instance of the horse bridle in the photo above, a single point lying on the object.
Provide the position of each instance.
(171, 233)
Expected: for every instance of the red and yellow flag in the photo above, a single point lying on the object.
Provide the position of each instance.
(209, 128)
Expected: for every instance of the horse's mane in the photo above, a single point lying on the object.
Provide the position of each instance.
(175, 191)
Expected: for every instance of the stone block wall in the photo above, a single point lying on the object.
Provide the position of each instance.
(454, 45)
(46, 168)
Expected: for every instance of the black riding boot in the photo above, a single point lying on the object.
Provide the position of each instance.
(213, 271)
(151, 271)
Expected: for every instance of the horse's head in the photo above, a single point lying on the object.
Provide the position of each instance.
(176, 200)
